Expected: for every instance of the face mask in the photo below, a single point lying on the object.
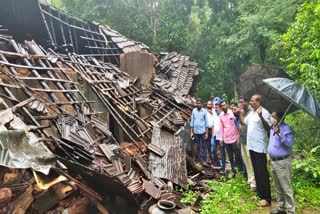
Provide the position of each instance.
(273, 121)
(218, 112)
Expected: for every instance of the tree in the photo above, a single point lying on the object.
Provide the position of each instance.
(299, 47)
(242, 32)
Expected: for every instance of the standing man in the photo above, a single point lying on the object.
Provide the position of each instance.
(229, 136)
(215, 141)
(244, 106)
(258, 123)
(280, 149)
(210, 119)
(199, 129)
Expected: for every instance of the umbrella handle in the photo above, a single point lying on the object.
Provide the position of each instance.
(284, 116)
(285, 113)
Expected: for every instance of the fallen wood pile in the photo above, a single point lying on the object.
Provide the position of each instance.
(83, 130)
(176, 75)
(40, 89)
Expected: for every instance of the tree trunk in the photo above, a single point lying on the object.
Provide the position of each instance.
(236, 68)
(262, 52)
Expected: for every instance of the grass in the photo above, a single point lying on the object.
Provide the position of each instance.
(233, 196)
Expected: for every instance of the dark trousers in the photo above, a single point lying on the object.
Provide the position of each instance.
(259, 164)
(199, 139)
(214, 145)
(234, 156)
(208, 141)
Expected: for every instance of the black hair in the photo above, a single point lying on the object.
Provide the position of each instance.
(199, 100)
(234, 103)
(280, 115)
(223, 101)
(244, 98)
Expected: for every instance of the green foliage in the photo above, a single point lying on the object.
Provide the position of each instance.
(189, 197)
(309, 168)
(306, 181)
(240, 33)
(299, 47)
(232, 196)
(307, 196)
(306, 131)
(226, 196)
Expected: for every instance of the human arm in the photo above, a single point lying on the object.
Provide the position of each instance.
(286, 135)
(191, 132)
(191, 126)
(241, 117)
(221, 132)
(206, 137)
(206, 125)
(264, 120)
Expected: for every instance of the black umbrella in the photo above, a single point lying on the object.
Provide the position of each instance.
(296, 94)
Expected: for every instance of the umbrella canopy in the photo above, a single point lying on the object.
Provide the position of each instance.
(251, 82)
(295, 94)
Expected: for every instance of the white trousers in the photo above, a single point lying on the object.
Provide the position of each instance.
(247, 161)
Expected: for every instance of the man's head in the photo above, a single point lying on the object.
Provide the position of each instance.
(276, 117)
(199, 104)
(234, 106)
(224, 106)
(209, 105)
(255, 101)
(243, 103)
(217, 108)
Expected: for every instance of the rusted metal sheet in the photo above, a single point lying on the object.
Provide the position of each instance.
(172, 165)
(151, 189)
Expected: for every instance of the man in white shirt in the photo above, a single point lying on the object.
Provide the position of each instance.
(215, 140)
(210, 118)
(258, 124)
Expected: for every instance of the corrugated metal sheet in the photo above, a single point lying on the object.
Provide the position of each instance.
(172, 165)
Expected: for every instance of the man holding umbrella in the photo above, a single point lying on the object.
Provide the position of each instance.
(279, 149)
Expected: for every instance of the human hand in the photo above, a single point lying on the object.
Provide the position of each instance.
(269, 160)
(259, 112)
(191, 135)
(221, 142)
(277, 129)
(206, 137)
(238, 144)
(236, 110)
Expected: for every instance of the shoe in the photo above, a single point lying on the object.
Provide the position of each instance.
(222, 172)
(253, 189)
(263, 203)
(277, 211)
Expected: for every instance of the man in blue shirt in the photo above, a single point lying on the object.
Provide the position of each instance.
(199, 129)
(280, 149)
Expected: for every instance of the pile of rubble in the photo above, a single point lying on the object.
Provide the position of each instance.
(176, 75)
(75, 130)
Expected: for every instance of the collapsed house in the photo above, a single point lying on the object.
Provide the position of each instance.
(80, 109)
